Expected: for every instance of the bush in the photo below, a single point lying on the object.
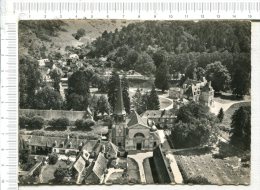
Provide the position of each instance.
(84, 124)
(197, 180)
(60, 173)
(36, 122)
(53, 158)
(80, 32)
(59, 123)
(23, 121)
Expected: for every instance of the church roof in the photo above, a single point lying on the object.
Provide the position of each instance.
(135, 119)
(119, 106)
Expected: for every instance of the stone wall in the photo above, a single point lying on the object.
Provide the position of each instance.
(54, 114)
(161, 167)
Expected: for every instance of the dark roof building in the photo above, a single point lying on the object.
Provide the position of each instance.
(95, 172)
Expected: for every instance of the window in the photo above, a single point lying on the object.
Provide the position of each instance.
(119, 144)
(154, 144)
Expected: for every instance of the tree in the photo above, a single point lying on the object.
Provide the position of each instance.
(130, 59)
(192, 111)
(23, 121)
(125, 94)
(153, 100)
(80, 33)
(200, 72)
(241, 76)
(137, 101)
(241, 127)
(60, 173)
(159, 57)
(47, 98)
(144, 64)
(30, 81)
(36, 122)
(84, 124)
(78, 89)
(56, 75)
(59, 123)
(53, 158)
(219, 75)
(113, 85)
(103, 105)
(220, 115)
(162, 77)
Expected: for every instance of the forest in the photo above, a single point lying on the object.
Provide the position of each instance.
(217, 50)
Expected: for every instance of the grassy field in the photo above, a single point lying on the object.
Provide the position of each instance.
(230, 111)
(216, 171)
(226, 123)
(48, 171)
(115, 178)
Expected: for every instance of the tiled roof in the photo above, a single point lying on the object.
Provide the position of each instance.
(135, 119)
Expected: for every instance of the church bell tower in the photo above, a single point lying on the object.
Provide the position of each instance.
(119, 117)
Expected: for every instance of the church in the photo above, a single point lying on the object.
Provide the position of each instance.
(132, 132)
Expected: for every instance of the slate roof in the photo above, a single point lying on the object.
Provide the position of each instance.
(35, 140)
(111, 148)
(207, 87)
(135, 119)
(119, 106)
(98, 166)
(90, 145)
(79, 165)
(158, 114)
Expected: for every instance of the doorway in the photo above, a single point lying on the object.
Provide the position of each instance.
(138, 146)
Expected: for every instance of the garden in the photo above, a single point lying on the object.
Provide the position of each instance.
(204, 169)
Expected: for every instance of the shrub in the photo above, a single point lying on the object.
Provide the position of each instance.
(60, 173)
(23, 121)
(197, 180)
(79, 123)
(36, 122)
(84, 124)
(53, 158)
(59, 123)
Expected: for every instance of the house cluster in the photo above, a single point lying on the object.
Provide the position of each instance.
(198, 91)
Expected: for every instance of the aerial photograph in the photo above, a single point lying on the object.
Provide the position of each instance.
(127, 102)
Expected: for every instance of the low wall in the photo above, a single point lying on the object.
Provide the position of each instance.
(54, 114)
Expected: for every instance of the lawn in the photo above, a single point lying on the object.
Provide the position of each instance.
(216, 171)
(116, 178)
(225, 125)
(133, 171)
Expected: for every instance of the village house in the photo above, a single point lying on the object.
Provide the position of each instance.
(161, 118)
